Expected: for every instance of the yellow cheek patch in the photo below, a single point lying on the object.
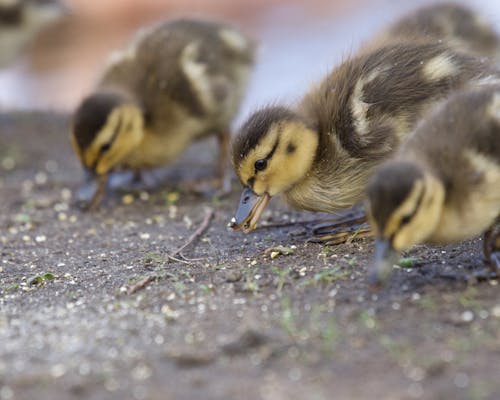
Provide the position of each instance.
(126, 136)
(426, 217)
(406, 208)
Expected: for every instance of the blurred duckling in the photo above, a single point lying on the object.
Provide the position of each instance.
(20, 21)
(175, 83)
(443, 186)
(320, 154)
(456, 24)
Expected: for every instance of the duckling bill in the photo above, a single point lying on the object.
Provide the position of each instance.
(249, 210)
(443, 186)
(320, 154)
(175, 83)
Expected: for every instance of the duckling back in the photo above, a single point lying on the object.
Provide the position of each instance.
(453, 23)
(367, 106)
(185, 68)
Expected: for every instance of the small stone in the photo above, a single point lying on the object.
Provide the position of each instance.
(41, 178)
(6, 393)
(169, 313)
(8, 163)
(144, 236)
(233, 276)
(172, 197)
(58, 370)
(461, 380)
(495, 311)
(467, 316)
(141, 372)
(40, 239)
(128, 199)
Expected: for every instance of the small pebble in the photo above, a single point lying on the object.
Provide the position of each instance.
(40, 239)
(128, 199)
(8, 163)
(495, 311)
(467, 316)
(461, 380)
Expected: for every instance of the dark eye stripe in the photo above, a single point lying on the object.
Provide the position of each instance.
(407, 218)
(102, 149)
(271, 153)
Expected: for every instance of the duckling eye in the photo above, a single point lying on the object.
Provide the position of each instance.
(405, 219)
(260, 165)
(105, 147)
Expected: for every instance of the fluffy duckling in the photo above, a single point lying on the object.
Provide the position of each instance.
(319, 155)
(175, 83)
(20, 20)
(458, 25)
(443, 186)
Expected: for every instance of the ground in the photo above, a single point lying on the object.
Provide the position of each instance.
(240, 321)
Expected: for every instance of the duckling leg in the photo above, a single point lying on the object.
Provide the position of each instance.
(89, 196)
(94, 204)
(223, 171)
(351, 227)
(491, 248)
(221, 182)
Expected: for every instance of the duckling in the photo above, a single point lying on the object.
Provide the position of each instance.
(443, 185)
(454, 23)
(175, 83)
(320, 154)
(20, 21)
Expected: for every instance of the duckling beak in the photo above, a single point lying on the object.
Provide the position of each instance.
(385, 258)
(249, 210)
(90, 192)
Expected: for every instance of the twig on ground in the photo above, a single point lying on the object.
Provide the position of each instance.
(195, 236)
(141, 284)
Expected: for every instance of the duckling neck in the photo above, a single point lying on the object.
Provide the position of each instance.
(334, 182)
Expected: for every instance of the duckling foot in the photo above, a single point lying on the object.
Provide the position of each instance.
(341, 230)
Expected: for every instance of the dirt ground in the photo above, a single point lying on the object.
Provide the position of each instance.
(234, 323)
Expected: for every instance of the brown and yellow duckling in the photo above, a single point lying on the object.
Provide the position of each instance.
(20, 21)
(456, 24)
(443, 186)
(175, 83)
(320, 154)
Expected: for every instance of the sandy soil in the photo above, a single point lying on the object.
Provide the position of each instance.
(233, 324)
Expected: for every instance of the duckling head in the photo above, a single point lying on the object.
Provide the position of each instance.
(107, 126)
(404, 205)
(273, 151)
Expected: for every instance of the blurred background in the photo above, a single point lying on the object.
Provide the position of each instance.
(299, 42)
